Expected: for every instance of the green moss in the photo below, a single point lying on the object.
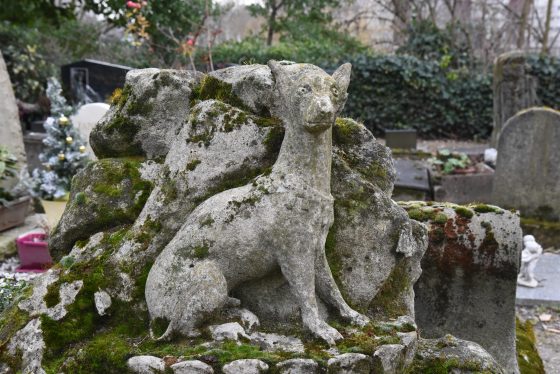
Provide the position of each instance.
(484, 208)
(463, 212)
(67, 261)
(212, 88)
(52, 296)
(139, 108)
(273, 141)
(440, 218)
(201, 251)
(105, 353)
(376, 173)
(118, 177)
(416, 214)
(363, 341)
(169, 191)
(233, 180)
(333, 257)
(159, 326)
(389, 301)
(193, 164)
(441, 365)
(80, 198)
(345, 131)
(208, 221)
(527, 355)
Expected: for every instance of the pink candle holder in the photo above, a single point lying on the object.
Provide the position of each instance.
(33, 253)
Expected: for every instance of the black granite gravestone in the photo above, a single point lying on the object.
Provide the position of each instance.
(91, 80)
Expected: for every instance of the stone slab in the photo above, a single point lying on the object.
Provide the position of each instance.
(547, 273)
(8, 237)
(412, 174)
(463, 189)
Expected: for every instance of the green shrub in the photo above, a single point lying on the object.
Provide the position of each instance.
(388, 92)
(324, 50)
(547, 71)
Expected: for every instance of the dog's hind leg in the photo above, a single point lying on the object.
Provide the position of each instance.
(329, 292)
(205, 292)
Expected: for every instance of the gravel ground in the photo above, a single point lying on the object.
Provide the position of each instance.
(547, 331)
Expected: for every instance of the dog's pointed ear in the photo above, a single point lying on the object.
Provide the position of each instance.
(342, 76)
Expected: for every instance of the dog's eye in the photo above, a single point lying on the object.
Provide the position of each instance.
(304, 89)
(334, 91)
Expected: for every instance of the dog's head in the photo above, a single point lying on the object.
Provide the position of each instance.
(308, 96)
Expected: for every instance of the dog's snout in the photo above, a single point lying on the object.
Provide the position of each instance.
(325, 105)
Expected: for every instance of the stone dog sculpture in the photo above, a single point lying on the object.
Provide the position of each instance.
(281, 220)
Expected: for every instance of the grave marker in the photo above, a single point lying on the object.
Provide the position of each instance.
(528, 166)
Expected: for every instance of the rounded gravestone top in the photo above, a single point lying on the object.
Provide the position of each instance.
(528, 164)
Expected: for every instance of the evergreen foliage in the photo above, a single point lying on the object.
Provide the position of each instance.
(64, 153)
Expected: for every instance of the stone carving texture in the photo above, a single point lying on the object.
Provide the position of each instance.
(470, 249)
(528, 166)
(280, 221)
(514, 90)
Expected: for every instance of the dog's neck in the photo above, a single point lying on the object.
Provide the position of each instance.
(306, 156)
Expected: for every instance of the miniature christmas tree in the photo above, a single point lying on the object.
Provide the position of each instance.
(64, 153)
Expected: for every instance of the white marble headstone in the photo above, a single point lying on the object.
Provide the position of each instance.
(86, 118)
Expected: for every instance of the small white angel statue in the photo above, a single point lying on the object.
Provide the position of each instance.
(529, 258)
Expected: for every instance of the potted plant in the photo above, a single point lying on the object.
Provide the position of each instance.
(13, 206)
(63, 156)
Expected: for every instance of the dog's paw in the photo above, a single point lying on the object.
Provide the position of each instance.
(327, 333)
(357, 319)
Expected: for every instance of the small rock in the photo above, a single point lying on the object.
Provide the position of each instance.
(350, 363)
(192, 367)
(251, 366)
(102, 302)
(229, 331)
(410, 342)
(389, 359)
(145, 364)
(275, 342)
(405, 323)
(298, 366)
(248, 319)
(170, 360)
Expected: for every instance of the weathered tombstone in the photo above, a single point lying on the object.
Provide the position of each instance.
(528, 167)
(413, 180)
(513, 88)
(403, 138)
(10, 128)
(469, 275)
(91, 80)
(86, 118)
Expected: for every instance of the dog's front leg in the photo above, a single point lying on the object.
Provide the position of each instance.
(297, 265)
(329, 292)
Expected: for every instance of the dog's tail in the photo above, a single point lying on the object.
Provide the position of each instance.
(166, 335)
